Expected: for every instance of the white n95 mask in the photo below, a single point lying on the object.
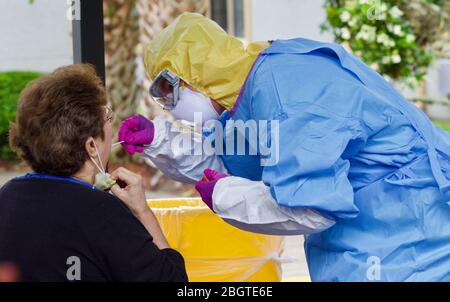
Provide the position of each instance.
(191, 102)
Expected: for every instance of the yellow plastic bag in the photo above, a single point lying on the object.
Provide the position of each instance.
(214, 250)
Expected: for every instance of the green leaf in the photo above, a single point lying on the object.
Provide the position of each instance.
(11, 85)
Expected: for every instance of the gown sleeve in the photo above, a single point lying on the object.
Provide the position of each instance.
(177, 160)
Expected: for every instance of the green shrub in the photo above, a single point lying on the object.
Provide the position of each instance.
(11, 84)
(392, 36)
(443, 125)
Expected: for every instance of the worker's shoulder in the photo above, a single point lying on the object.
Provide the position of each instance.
(301, 46)
(302, 57)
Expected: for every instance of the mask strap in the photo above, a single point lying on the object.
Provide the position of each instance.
(99, 159)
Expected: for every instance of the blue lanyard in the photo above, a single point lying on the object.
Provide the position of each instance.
(54, 177)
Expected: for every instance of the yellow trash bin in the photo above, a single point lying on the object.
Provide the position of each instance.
(214, 250)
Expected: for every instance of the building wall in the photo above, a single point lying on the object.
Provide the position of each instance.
(34, 37)
(284, 19)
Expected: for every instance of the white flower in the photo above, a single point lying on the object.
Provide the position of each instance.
(381, 16)
(396, 12)
(352, 22)
(410, 38)
(396, 30)
(345, 16)
(386, 60)
(396, 59)
(411, 81)
(375, 66)
(367, 33)
(377, 10)
(382, 38)
(385, 40)
(345, 33)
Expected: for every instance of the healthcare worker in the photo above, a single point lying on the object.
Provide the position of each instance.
(361, 172)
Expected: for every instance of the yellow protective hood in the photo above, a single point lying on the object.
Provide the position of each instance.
(203, 55)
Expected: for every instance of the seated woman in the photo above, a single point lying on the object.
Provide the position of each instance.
(55, 225)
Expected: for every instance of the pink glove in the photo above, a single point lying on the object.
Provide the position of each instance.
(206, 186)
(135, 132)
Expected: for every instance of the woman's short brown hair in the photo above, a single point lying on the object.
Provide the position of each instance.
(56, 114)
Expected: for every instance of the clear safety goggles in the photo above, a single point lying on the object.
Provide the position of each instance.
(164, 89)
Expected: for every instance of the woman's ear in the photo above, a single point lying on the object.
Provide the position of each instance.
(89, 145)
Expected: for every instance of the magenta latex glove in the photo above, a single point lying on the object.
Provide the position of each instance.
(205, 186)
(136, 131)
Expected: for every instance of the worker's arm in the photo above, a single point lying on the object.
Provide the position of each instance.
(249, 205)
(173, 152)
(307, 189)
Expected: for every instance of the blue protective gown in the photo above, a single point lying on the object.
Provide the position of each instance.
(355, 150)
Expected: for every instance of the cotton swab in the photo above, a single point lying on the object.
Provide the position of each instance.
(118, 143)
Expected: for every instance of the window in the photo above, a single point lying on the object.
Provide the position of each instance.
(230, 15)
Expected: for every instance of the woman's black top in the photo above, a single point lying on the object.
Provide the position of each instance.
(55, 230)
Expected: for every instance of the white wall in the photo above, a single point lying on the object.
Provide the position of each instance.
(34, 37)
(283, 19)
(438, 83)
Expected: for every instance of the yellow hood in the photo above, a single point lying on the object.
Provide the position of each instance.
(203, 55)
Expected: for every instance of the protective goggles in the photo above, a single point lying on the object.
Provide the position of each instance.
(164, 89)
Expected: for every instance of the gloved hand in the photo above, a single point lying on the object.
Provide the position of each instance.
(135, 132)
(205, 186)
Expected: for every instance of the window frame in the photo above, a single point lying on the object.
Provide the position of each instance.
(247, 8)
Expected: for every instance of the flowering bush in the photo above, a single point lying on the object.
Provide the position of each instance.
(380, 33)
